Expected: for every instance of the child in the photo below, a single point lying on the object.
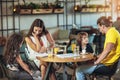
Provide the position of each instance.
(81, 40)
(84, 46)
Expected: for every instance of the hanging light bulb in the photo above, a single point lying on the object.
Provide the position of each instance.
(118, 7)
(14, 9)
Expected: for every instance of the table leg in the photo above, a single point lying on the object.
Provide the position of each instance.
(65, 76)
(48, 71)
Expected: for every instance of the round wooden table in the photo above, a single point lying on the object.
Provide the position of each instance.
(64, 58)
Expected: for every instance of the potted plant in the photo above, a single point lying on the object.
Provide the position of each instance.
(35, 8)
(45, 8)
(58, 8)
(101, 8)
(92, 8)
(84, 8)
(25, 9)
(107, 8)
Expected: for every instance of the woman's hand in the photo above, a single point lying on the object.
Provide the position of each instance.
(52, 45)
(43, 49)
(34, 34)
(31, 73)
(95, 63)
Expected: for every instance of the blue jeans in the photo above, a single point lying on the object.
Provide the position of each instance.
(85, 69)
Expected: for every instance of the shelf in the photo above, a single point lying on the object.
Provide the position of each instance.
(89, 12)
(39, 14)
(8, 29)
(39, 11)
(7, 15)
(8, 1)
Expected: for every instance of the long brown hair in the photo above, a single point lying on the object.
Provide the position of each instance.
(12, 48)
(37, 23)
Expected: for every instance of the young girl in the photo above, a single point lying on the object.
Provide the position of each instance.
(84, 46)
(13, 59)
(81, 40)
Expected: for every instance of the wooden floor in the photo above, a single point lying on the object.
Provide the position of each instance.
(60, 76)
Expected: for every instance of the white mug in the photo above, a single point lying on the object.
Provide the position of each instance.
(83, 51)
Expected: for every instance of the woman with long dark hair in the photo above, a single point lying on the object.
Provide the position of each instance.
(13, 60)
(38, 41)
